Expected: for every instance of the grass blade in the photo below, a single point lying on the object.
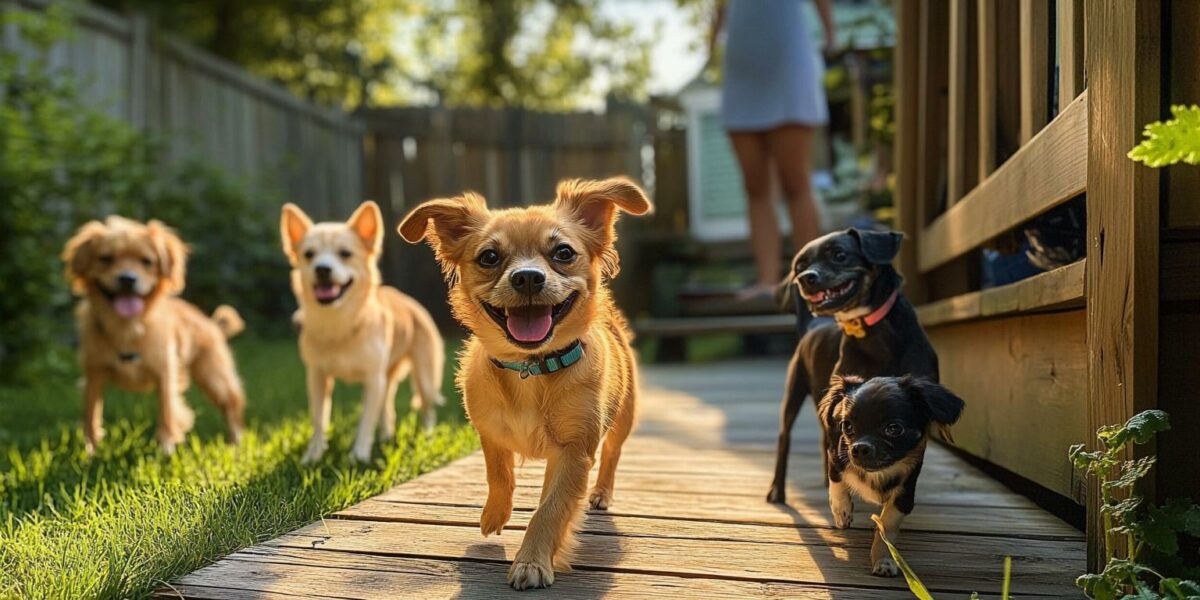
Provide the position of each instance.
(914, 583)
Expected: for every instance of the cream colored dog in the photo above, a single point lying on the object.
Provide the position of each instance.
(355, 329)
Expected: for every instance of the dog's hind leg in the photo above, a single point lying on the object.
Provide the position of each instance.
(601, 496)
(374, 389)
(428, 363)
(793, 398)
(217, 377)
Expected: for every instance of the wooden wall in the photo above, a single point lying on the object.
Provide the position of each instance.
(1046, 361)
(204, 106)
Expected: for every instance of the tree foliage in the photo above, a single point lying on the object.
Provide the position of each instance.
(544, 54)
(1173, 141)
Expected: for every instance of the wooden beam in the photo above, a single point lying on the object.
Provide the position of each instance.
(1069, 22)
(1049, 170)
(905, 80)
(959, 90)
(1124, 80)
(1052, 290)
(1024, 379)
(1035, 67)
(987, 87)
(931, 129)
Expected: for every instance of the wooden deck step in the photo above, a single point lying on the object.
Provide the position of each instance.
(689, 521)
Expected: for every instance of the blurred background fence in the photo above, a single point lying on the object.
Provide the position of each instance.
(203, 106)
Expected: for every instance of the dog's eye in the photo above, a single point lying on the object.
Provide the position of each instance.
(893, 430)
(847, 428)
(564, 253)
(309, 254)
(840, 256)
(488, 258)
(345, 254)
(106, 259)
(147, 261)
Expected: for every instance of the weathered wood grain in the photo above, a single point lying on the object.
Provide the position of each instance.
(1124, 72)
(1052, 290)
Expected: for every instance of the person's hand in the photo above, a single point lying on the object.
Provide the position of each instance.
(831, 49)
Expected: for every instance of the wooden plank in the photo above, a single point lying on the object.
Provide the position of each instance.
(1052, 290)
(962, 144)
(1069, 22)
(905, 81)
(267, 572)
(947, 563)
(1035, 67)
(1049, 170)
(987, 87)
(1024, 379)
(1123, 72)
(931, 121)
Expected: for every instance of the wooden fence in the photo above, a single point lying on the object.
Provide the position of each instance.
(513, 157)
(1005, 111)
(204, 106)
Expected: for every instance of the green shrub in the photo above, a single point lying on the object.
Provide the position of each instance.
(63, 162)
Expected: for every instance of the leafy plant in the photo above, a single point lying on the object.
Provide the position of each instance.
(1173, 141)
(1142, 532)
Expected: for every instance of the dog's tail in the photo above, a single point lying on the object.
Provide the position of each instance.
(228, 319)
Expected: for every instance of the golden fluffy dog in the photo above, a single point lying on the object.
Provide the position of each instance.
(138, 335)
(355, 329)
(548, 371)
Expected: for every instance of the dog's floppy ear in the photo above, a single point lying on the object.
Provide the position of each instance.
(941, 405)
(444, 223)
(879, 247)
(840, 387)
(172, 255)
(595, 205)
(79, 253)
(367, 223)
(293, 225)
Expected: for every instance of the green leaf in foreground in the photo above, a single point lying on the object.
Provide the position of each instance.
(914, 583)
(1173, 141)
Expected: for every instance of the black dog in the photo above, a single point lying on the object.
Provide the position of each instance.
(875, 437)
(848, 275)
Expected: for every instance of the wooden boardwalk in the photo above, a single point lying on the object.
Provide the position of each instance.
(689, 520)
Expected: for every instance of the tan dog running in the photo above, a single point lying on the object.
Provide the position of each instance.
(355, 329)
(135, 333)
(548, 371)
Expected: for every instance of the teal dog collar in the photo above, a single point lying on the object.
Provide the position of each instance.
(551, 363)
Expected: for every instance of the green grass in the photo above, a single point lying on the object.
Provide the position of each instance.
(123, 522)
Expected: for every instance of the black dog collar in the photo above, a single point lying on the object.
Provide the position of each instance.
(550, 363)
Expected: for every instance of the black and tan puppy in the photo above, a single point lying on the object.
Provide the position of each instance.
(849, 276)
(875, 437)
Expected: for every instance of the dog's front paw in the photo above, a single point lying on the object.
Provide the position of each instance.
(91, 440)
(843, 511)
(777, 495)
(600, 499)
(360, 456)
(525, 575)
(312, 455)
(885, 567)
(167, 441)
(494, 517)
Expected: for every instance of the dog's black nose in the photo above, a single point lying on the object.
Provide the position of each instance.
(126, 281)
(323, 272)
(528, 281)
(862, 450)
(810, 277)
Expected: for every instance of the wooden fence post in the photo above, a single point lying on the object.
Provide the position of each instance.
(1123, 206)
(907, 167)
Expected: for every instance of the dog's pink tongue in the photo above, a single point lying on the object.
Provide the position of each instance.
(326, 292)
(529, 323)
(129, 306)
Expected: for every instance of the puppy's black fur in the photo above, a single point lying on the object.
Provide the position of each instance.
(875, 437)
(858, 264)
